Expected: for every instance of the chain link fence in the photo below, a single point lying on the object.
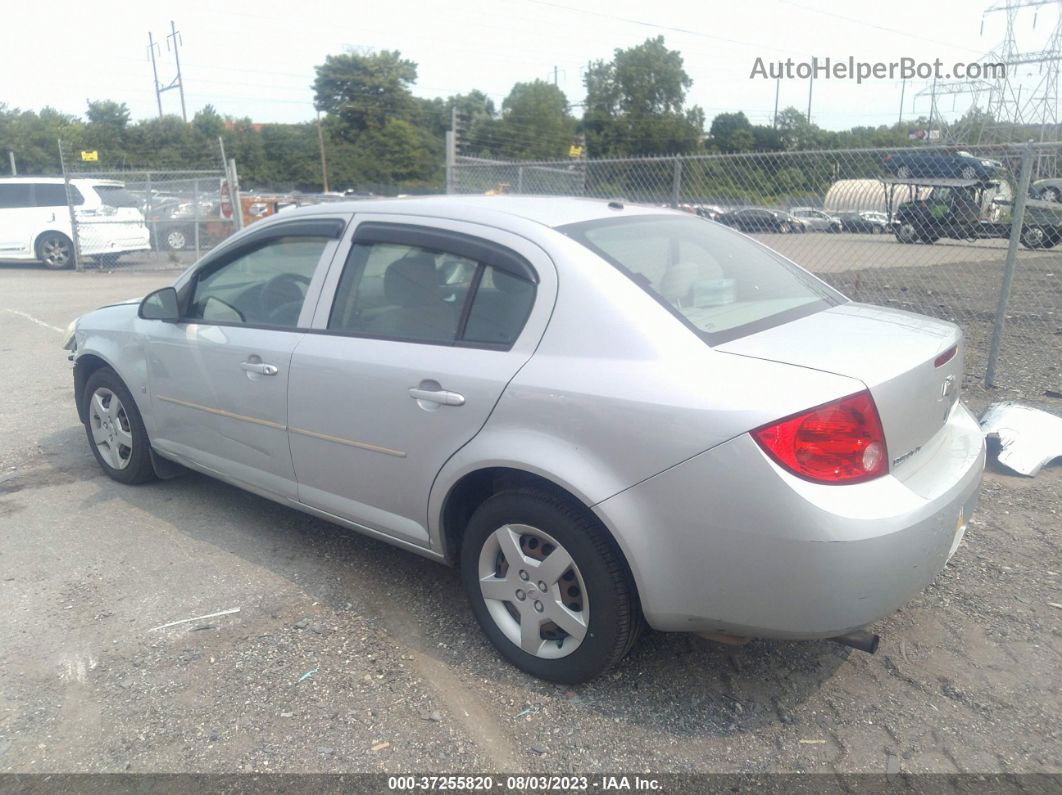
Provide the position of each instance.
(926, 229)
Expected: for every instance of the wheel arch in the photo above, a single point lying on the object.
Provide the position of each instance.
(474, 487)
(43, 233)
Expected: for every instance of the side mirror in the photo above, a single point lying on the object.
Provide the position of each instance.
(160, 305)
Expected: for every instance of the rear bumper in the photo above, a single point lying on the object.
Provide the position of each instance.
(101, 240)
(729, 542)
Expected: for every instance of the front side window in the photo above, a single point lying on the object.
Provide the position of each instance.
(265, 286)
(719, 283)
(420, 294)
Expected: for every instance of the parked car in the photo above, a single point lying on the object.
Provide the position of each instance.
(1048, 190)
(816, 220)
(35, 220)
(866, 222)
(173, 222)
(606, 415)
(759, 219)
(935, 163)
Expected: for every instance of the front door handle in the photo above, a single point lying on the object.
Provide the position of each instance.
(260, 367)
(441, 396)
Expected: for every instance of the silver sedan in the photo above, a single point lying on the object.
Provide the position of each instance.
(607, 416)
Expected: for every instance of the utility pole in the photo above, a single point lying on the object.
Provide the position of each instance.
(451, 152)
(554, 75)
(811, 85)
(11, 158)
(777, 90)
(179, 82)
(152, 46)
(903, 88)
(324, 164)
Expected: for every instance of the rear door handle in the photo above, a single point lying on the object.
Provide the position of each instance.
(260, 367)
(441, 396)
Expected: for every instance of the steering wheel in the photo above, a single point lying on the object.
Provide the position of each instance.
(281, 297)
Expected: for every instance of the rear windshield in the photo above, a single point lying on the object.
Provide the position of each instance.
(116, 196)
(721, 284)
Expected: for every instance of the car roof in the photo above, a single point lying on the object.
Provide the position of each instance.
(60, 181)
(551, 211)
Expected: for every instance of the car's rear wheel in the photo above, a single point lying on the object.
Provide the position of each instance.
(176, 240)
(55, 250)
(1033, 236)
(115, 429)
(548, 587)
(1049, 195)
(903, 172)
(906, 233)
(969, 172)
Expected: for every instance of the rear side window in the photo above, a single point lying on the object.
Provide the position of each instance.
(719, 283)
(49, 194)
(116, 196)
(421, 294)
(16, 194)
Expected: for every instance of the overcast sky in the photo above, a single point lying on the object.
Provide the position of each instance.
(256, 58)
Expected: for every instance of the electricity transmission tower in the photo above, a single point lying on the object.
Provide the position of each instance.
(1018, 104)
(177, 82)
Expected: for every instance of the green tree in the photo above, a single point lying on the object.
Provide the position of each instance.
(535, 123)
(636, 103)
(365, 91)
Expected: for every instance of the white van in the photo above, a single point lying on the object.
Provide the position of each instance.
(35, 220)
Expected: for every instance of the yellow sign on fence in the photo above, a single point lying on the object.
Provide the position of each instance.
(93, 155)
(575, 151)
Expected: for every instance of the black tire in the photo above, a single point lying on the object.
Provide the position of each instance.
(138, 469)
(615, 615)
(55, 251)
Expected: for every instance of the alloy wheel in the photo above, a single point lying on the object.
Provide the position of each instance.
(534, 591)
(111, 431)
(176, 241)
(55, 252)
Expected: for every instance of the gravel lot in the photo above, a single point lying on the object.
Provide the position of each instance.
(349, 655)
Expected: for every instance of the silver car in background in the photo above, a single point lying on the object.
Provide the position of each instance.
(607, 416)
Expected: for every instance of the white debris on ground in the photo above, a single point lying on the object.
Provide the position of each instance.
(1028, 438)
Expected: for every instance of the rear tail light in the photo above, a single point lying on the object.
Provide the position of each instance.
(946, 357)
(838, 442)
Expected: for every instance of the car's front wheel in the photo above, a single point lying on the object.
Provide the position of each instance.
(115, 429)
(548, 586)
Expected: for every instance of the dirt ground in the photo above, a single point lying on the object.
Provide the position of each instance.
(349, 655)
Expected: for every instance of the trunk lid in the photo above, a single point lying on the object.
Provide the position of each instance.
(891, 351)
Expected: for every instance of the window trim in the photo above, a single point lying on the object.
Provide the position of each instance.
(486, 253)
(329, 228)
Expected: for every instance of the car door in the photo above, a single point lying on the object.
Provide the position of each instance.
(420, 328)
(218, 378)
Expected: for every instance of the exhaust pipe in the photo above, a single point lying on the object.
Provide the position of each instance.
(859, 639)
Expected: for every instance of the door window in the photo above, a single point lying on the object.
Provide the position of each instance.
(420, 294)
(54, 195)
(265, 286)
(16, 194)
